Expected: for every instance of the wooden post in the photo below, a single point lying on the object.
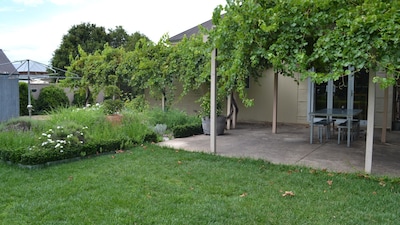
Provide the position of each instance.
(213, 102)
(228, 111)
(275, 106)
(370, 123)
(385, 114)
(234, 117)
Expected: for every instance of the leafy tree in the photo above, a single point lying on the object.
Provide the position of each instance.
(192, 60)
(85, 67)
(89, 36)
(294, 36)
(133, 39)
(117, 37)
(153, 69)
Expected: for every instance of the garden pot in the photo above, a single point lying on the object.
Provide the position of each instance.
(114, 119)
(221, 124)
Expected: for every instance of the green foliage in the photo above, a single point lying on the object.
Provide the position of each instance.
(112, 106)
(89, 36)
(138, 104)
(193, 61)
(80, 99)
(51, 97)
(152, 67)
(181, 187)
(241, 45)
(23, 99)
(171, 118)
(187, 130)
(70, 133)
(295, 36)
(205, 104)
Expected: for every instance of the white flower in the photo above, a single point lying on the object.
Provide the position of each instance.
(61, 146)
(57, 145)
(81, 142)
(61, 151)
(81, 133)
(44, 143)
(44, 134)
(49, 135)
(69, 135)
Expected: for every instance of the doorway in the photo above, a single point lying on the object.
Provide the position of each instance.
(338, 92)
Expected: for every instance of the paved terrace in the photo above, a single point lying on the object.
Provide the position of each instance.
(291, 146)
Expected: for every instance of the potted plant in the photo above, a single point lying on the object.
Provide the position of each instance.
(113, 105)
(205, 115)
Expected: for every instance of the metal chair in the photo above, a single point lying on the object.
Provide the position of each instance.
(354, 130)
(323, 125)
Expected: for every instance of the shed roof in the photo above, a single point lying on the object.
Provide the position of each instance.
(6, 67)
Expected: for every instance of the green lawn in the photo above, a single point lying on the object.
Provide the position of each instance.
(154, 185)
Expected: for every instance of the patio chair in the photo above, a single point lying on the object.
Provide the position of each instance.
(354, 130)
(324, 125)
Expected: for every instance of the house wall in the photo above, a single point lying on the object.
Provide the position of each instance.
(188, 103)
(379, 105)
(292, 101)
(36, 88)
(9, 98)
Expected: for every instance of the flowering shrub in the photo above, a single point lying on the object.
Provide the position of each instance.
(90, 107)
(62, 137)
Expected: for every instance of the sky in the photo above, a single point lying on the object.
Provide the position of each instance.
(33, 29)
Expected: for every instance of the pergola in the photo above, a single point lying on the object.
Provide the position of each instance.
(370, 111)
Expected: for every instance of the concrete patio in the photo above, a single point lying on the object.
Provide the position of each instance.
(291, 146)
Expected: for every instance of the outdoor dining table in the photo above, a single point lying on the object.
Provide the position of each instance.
(336, 113)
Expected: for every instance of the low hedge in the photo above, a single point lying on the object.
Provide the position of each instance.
(187, 130)
(41, 156)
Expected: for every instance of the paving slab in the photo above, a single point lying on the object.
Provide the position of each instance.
(291, 146)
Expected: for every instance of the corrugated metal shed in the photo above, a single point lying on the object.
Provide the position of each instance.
(9, 89)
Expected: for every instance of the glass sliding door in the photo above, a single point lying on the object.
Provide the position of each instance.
(340, 92)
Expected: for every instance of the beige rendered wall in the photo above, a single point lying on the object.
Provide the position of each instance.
(292, 101)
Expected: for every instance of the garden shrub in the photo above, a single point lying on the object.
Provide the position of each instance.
(12, 155)
(112, 106)
(187, 130)
(70, 133)
(80, 99)
(171, 118)
(138, 104)
(23, 99)
(149, 137)
(51, 97)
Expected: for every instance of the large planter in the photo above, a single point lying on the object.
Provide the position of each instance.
(114, 119)
(221, 124)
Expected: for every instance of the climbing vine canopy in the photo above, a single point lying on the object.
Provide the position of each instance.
(293, 36)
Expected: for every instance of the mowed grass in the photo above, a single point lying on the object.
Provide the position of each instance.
(155, 185)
